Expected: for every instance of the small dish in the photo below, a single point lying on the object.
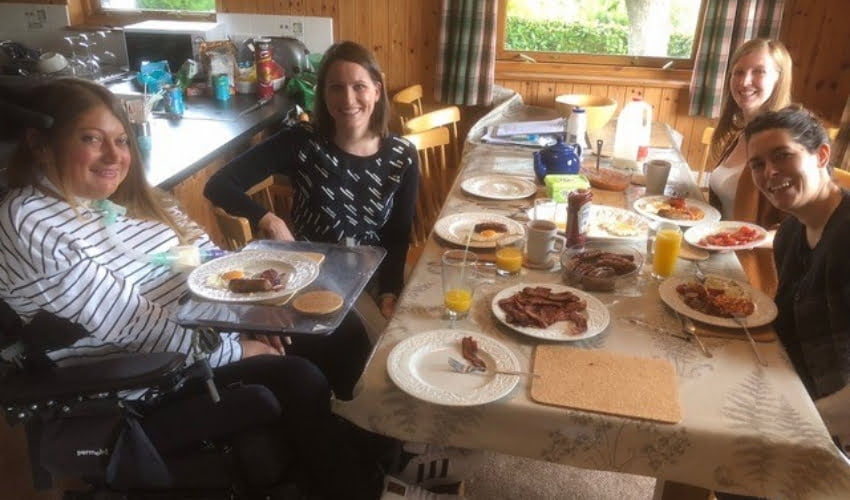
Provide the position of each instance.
(588, 268)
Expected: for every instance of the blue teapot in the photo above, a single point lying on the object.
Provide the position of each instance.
(558, 158)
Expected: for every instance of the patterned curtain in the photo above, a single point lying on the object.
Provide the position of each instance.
(467, 53)
(728, 24)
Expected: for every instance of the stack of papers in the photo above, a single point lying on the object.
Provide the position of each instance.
(535, 134)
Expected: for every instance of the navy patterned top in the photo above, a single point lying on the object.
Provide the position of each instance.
(337, 195)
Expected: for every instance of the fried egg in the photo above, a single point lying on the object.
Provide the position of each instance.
(619, 228)
(487, 235)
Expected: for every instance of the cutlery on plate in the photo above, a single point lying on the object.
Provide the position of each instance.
(690, 328)
(461, 367)
(655, 328)
(742, 322)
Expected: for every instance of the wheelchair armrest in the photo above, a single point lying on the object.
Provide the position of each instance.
(135, 371)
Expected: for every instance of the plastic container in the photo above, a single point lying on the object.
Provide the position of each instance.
(578, 216)
(631, 141)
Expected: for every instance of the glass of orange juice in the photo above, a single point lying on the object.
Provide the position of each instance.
(665, 250)
(509, 254)
(458, 269)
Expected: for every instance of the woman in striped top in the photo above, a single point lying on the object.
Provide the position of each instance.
(58, 255)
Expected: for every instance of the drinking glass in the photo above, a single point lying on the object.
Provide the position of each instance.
(665, 242)
(509, 254)
(458, 269)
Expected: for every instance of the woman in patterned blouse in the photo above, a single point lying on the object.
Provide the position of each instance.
(354, 182)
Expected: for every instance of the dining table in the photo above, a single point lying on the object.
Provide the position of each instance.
(742, 427)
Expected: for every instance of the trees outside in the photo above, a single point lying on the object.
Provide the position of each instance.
(177, 5)
(663, 28)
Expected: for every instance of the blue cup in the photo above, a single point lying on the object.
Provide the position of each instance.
(221, 87)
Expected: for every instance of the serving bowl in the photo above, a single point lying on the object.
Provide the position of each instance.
(592, 268)
(599, 109)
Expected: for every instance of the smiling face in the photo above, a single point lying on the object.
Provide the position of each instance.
(350, 96)
(93, 157)
(785, 171)
(753, 81)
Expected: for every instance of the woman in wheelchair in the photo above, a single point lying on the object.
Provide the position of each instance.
(78, 224)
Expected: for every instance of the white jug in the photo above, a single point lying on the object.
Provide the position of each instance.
(634, 126)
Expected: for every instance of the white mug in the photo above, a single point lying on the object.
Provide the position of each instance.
(541, 239)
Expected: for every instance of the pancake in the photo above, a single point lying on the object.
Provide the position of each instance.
(317, 302)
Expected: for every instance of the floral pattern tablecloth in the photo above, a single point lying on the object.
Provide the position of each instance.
(746, 428)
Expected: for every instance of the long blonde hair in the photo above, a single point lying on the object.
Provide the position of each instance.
(66, 100)
(731, 120)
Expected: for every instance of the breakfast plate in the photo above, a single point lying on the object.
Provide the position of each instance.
(726, 235)
(605, 223)
(596, 313)
(419, 366)
(693, 212)
(499, 187)
(299, 270)
(765, 309)
(460, 229)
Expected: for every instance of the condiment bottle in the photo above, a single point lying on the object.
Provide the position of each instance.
(578, 216)
(264, 64)
(577, 127)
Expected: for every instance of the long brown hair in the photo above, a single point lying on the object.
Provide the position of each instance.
(66, 100)
(358, 54)
(731, 120)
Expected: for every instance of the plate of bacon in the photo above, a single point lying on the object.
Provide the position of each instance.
(726, 235)
(717, 300)
(419, 366)
(550, 311)
(685, 212)
(253, 276)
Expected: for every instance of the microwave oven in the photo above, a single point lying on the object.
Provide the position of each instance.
(173, 41)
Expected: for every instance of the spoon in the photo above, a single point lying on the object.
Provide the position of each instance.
(691, 329)
(598, 152)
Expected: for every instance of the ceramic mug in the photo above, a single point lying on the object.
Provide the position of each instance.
(656, 173)
(542, 240)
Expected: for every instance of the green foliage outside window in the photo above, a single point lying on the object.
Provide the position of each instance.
(556, 36)
(180, 5)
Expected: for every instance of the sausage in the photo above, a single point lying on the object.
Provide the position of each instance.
(249, 285)
(469, 349)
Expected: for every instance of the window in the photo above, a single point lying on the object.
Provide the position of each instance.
(199, 6)
(623, 32)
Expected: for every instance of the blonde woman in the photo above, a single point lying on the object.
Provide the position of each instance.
(758, 80)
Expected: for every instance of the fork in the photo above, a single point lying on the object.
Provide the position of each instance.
(461, 367)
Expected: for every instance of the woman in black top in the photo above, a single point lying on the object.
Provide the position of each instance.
(353, 183)
(788, 157)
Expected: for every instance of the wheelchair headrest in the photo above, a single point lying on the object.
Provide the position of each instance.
(13, 91)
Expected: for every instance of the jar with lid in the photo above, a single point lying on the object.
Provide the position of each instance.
(578, 216)
(577, 127)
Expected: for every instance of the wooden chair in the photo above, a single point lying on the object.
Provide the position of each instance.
(408, 103)
(431, 145)
(707, 134)
(841, 177)
(448, 117)
(274, 193)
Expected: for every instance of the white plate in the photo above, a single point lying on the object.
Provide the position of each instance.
(764, 313)
(647, 206)
(696, 233)
(602, 218)
(419, 366)
(300, 272)
(597, 314)
(499, 187)
(455, 228)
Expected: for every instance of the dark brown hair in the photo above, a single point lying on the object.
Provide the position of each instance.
(66, 100)
(804, 127)
(358, 54)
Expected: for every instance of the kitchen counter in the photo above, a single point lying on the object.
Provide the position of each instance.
(208, 129)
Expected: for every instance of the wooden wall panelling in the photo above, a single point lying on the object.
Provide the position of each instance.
(394, 69)
(379, 33)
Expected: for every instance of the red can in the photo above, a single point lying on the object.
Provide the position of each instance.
(264, 64)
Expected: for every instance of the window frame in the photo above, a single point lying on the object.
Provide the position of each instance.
(94, 13)
(620, 61)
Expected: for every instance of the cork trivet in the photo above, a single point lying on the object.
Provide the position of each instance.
(690, 252)
(317, 257)
(549, 264)
(615, 199)
(608, 383)
(760, 334)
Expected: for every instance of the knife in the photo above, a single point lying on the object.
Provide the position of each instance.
(257, 105)
(655, 328)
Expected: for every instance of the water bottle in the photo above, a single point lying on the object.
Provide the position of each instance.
(577, 128)
(631, 141)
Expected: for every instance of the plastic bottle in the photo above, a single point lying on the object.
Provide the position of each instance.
(578, 216)
(577, 128)
(631, 141)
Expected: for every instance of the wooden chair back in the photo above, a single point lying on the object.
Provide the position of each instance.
(841, 177)
(707, 134)
(448, 117)
(408, 103)
(272, 192)
(431, 145)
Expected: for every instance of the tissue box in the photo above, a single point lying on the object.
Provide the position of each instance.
(558, 187)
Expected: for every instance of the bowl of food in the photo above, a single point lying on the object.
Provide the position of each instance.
(599, 109)
(601, 266)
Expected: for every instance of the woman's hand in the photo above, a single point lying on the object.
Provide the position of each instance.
(387, 305)
(275, 227)
(253, 347)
